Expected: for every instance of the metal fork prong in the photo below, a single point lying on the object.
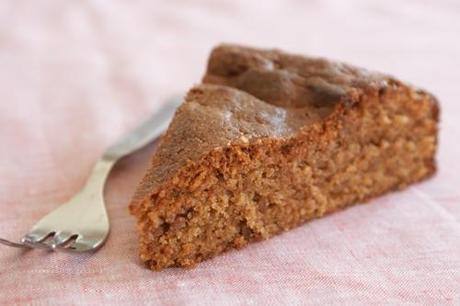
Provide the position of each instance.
(70, 247)
(81, 245)
(37, 235)
(61, 238)
(13, 244)
(38, 239)
(38, 245)
(66, 249)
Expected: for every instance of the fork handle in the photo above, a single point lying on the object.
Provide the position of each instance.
(94, 186)
(131, 142)
(145, 133)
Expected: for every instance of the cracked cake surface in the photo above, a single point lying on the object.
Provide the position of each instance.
(271, 140)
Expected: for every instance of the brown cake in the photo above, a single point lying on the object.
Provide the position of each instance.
(272, 140)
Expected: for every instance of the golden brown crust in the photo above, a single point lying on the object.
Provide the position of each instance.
(239, 166)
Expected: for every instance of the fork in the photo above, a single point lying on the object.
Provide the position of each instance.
(82, 224)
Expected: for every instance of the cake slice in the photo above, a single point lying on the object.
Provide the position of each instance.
(272, 140)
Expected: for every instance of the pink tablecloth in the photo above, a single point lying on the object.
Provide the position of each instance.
(74, 75)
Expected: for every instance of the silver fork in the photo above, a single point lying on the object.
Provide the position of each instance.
(82, 224)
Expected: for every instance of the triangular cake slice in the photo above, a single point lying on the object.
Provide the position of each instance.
(272, 140)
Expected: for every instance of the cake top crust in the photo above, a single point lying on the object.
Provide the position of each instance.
(249, 94)
(285, 79)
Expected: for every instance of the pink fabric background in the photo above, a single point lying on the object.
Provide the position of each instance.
(75, 75)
